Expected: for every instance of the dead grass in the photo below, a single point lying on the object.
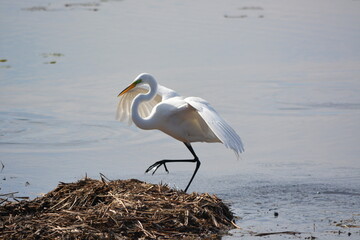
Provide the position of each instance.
(121, 209)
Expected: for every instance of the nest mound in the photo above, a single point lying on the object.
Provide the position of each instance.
(121, 209)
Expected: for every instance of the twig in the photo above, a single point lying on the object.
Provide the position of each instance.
(274, 233)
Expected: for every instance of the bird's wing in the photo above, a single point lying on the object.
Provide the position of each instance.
(123, 112)
(166, 93)
(217, 124)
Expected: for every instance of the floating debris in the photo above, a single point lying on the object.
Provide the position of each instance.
(82, 5)
(8, 197)
(121, 209)
(46, 55)
(68, 6)
(251, 8)
(276, 233)
(51, 55)
(353, 222)
(86, 6)
(234, 16)
(36, 8)
(4, 66)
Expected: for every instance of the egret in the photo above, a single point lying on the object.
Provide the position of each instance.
(187, 119)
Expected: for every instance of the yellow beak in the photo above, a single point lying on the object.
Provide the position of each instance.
(131, 86)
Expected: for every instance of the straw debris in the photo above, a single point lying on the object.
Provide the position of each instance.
(121, 209)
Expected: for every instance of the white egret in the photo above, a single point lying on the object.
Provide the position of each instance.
(187, 119)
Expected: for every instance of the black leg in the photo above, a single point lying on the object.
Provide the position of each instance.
(196, 159)
(156, 165)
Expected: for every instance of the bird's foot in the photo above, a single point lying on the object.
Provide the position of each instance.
(156, 165)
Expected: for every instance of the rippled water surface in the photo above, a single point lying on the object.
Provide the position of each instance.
(284, 74)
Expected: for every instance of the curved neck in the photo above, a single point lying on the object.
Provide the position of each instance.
(144, 123)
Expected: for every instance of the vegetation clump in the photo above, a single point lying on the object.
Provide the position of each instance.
(119, 209)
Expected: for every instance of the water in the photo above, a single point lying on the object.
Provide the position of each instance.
(284, 74)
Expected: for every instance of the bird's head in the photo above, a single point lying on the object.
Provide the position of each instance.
(139, 80)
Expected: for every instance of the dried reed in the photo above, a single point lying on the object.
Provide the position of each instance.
(121, 209)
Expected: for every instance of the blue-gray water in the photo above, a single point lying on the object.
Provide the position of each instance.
(284, 74)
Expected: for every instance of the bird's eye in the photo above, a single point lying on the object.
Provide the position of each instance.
(138, 81)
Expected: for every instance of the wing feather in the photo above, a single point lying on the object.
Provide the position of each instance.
(123, 112)
(217, 124)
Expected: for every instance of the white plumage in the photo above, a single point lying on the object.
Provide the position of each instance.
(190, 119)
